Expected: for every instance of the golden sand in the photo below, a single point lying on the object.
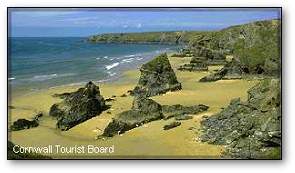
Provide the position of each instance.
(147, 141)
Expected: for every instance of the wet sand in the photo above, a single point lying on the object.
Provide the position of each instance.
(147, 141)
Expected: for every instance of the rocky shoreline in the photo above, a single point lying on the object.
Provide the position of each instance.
(247, 129)
(251, 129)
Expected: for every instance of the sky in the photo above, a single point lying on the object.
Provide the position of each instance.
(81, 22)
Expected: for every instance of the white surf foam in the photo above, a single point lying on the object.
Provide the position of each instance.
(129, 56)
(112, 73)
(50, 76)
(108, 67)
(128, 60)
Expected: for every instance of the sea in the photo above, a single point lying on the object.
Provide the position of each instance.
(39, 63)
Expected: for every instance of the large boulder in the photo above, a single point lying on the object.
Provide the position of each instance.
(251, 129)
(78, 106)
(178, 111)
(201, 50)
(157, 77)
(231, 70)
(172, 125)
(144, 110)
(196, 64)
(22, 124)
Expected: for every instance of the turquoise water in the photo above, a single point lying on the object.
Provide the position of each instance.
(38, 63)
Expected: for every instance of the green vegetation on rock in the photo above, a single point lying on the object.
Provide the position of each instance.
(177, 37)
(256, 45)
(251, 129)
(157, 77)
(256, 50)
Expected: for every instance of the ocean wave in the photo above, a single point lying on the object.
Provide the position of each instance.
(11, 78)
(50, 76)
(108, 67)
(128, 60)
(129, 56)
(112, 73)
(105, 57)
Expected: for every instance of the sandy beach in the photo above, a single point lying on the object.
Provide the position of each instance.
(149, 140)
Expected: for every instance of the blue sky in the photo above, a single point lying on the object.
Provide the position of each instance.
(88, 21)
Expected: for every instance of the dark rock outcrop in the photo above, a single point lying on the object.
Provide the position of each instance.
(184, 52)
(38, 116)
(209, 54)
(172, 125)
(78, 106)
(157, 77)
(22, 124)
(256, 45)
(196, 64)
(251, 129)
(144, 110)
(232, 70)
(179, 111)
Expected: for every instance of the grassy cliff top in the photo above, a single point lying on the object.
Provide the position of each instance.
(177, 37)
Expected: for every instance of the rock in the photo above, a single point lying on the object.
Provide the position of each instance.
(123, 95)
(11, 107)
(144, 110)
(230, 71)
(109, 100)
(202, 50)
(172, 125)
(22, 124)
(38, 116)
(184, 52)
(55, 111)
(183, 117)
(251, 129)
(157, 77)
(179, 55)
(170, 111)
(196, 64)
(78, 106)
(216, 62)
(191, 128)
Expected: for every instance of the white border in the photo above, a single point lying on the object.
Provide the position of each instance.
(162, 166)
